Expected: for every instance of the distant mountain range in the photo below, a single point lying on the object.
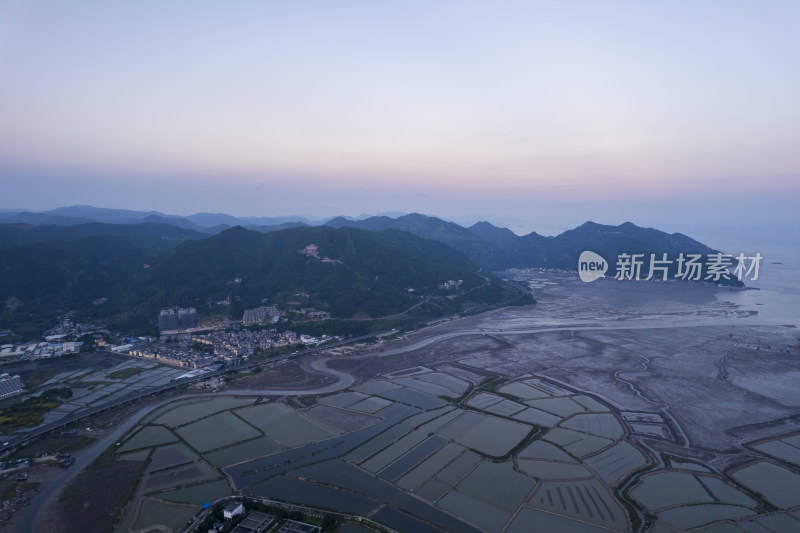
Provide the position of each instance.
(137, 262)
(349, 272)
(489, 246)
(209, 223)
(123, 277)
(498, 248)
(23, 233)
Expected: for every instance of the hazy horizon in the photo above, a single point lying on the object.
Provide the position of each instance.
(741, 237)
(533, 116)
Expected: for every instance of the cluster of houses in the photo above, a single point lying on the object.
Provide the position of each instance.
(175, 354)
(232, 345)
(31, 351)
(260, 315)
(68, 328)
(218, 346)
(451, 284)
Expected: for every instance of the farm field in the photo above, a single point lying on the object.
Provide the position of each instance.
(415, 398)
(778, 484)
(297, 429)
(541, 449)
(781, 450)
(666, 489)
(691, 516)
(345, 399)
(551, 523)
(172, 516)
(506, 408)
(617, 462)
(523, 391)
(602, 425)
(375, 387)
(459, 467)
(371, 405)
(171, 455)
(185, 414)
(576, 443)
(426, 416)
(475, 511)
(341, 420)
(547, 470)
(245, 451)
(495, 430)
(426, 387)
(483, 400)
(497, 484)
(343, 474)
(216, 431)
(458, 425)
(180, 475)
(456, 385)
(445, 416)
(147, 437)
(493, 436)
(407, 461)
(394, 451)
(563, 477)
(197, 494)
(598, 409)
(430, 466)
(585, 500)
(563, 407)
(139, 455)
(380, 442)
(537, 417)
(264, 415)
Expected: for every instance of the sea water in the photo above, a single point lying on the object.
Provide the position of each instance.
(777, 298)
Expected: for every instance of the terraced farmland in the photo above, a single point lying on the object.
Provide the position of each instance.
(394, 449)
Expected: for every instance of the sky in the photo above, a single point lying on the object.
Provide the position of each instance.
(534, 115)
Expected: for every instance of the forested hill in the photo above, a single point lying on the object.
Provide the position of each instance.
(498, 248)
(348, 272)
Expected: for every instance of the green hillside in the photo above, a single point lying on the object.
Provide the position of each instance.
(355, 275)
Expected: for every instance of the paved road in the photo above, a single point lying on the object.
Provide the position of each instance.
(529, 331)
(15, 441)
(82, 460)
(343, 380)
(85, 457)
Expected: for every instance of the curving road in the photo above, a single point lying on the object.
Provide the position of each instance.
(528, 331)
(343, 381)
(51, 491)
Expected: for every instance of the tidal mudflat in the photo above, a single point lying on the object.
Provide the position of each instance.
(663, 409)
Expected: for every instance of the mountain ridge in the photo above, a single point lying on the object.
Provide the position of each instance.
(491, 247)
(351, 273)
